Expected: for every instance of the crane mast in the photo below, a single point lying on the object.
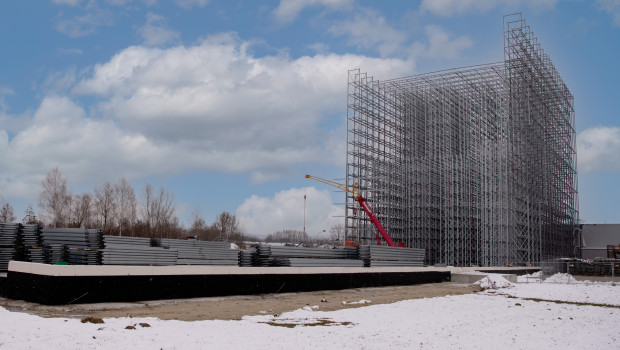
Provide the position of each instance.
(363, 203)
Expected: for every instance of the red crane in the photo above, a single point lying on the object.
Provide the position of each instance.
(363, 203)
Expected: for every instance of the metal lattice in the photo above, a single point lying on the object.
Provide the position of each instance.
(475, 165)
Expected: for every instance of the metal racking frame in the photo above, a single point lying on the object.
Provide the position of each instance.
(476, 165)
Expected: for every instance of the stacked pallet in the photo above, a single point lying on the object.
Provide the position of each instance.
(192, 252)
(31, 235)
(61, 243)
(75, 246)
(135, 251)
(32, 241)
(248, 257)
(123, 240)
(9, 234)
(94, 238)
(302, 256)
(90, 247)
(9, 241)
(375, 256)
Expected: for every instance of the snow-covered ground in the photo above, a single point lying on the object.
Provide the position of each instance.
(502, 317)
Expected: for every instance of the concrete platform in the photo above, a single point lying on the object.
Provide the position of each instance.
(68, 284)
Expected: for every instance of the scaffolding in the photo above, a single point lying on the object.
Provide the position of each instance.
(476, 165)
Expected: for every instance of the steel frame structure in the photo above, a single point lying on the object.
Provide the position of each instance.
(476, 165)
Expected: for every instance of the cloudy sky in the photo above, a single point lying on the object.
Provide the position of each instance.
(230, 103)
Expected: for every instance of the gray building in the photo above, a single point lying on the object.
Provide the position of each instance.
(596, 238)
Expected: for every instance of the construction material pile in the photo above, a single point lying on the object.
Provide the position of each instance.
(76, 246)
(33, 244)
(249, 257)
(135, 251)
(9, 241)
(377, 256)
(302, 256)
(155, 251)
(192, 252)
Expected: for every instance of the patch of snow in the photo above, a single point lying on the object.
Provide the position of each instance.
(560, 278)
(494, 282)
(430, 323)
(532, 277)
(598, 293)
(356, 302)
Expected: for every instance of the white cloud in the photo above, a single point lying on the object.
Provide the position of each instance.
(237, 111)
(368, 29)
(598, 149)
(459, 7)
(4, 90)
(288, 10)
(12, 124)
(181, 3)
(441, 44)
(58, 82)
(319, 48)
(67, 2)
(126, 2)
(60, 134)
(188, 4)
(613, 8)
(285, 210)
(86, 24)
(209, 107)
(155, 32)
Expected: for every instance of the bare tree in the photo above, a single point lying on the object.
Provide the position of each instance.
(30, 217)
(201, 229)
(55, 199)
(210, 233)
(226, 224)
(158, 209)
(105, 206)
(337, 233)
(147, 210)
(125, 205)
(171, 228)
(198, 223)
(6, 212)
(82, 210)
(288, 236)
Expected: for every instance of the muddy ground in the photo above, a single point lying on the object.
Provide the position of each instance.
(235, 307)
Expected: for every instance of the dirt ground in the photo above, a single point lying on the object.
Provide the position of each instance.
(235, 307)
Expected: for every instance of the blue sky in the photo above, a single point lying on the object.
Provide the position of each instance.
(230, 103)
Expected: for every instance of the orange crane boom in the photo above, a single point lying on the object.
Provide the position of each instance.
(363, 203)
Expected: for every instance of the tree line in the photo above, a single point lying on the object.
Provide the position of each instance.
(115, 208)
(288, 236)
